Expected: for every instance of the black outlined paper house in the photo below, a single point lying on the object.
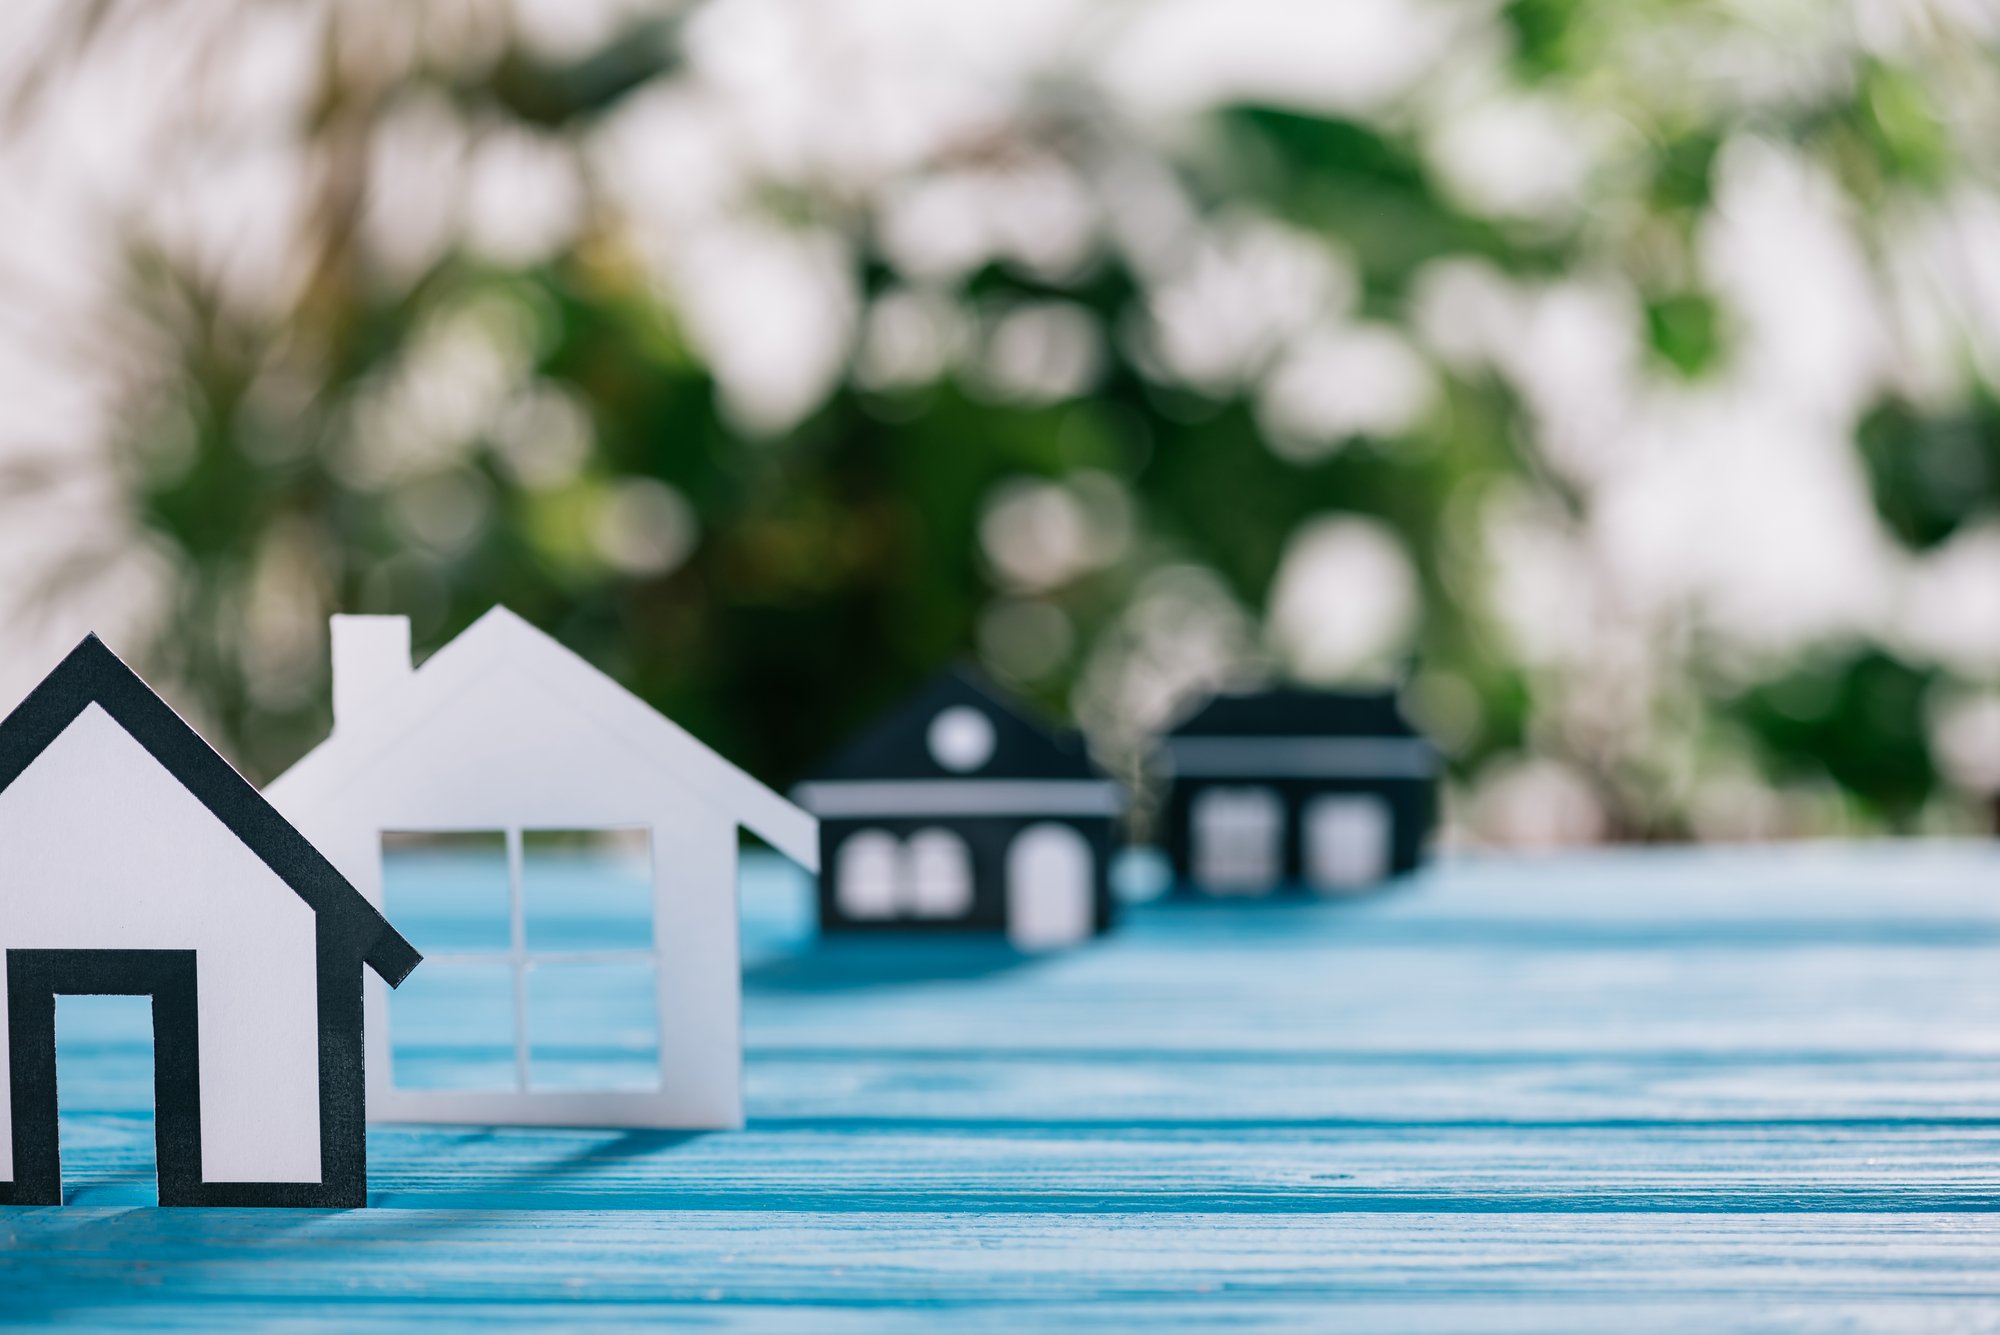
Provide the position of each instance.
(135, 860)
(1326, 790)
(956, 812)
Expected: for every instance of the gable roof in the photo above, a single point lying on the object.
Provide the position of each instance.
(1294, 711)
(501, 640)
(897, 744)
(92, 674)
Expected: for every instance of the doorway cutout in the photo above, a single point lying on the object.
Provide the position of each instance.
(1051, 873)
(104, 1100)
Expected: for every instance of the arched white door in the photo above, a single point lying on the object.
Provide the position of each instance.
(1050, 873)
(867, 875)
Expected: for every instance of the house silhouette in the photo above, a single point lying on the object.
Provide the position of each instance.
(956, 812)
(1289, 788)
(135, 860)
(506, 735)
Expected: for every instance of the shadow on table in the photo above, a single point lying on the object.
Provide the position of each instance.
(157, 1268)
(857, 963)
(623, 1147)
(534, 1170)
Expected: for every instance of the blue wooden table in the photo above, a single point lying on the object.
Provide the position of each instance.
(1652, 1090)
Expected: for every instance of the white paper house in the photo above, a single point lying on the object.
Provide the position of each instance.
(506, 737)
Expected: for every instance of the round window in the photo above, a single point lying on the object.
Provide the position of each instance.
(961, 739)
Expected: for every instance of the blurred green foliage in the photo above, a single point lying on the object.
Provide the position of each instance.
(840, 561)
(1858, 720)
(1932, 473)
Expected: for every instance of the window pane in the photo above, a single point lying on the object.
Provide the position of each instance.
(447, 891)
(865, 879)
(588, 889)
(1237, 835)
(593, 1025)
(937, 872)
(451, 1026)
(1347, 841)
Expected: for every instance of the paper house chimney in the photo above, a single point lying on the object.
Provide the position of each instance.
(371, 660)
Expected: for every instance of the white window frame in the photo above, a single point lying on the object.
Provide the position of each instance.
(520, 959)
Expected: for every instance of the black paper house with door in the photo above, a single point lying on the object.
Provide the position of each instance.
(1326, 791)
(957, 812)
(135, 860)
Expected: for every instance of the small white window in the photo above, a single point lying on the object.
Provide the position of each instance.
(937, 875)
(1347, 841)
(866, 875)
(961, 739)
(1238, 840)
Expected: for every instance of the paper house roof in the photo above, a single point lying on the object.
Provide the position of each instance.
(93, 675)
(1290, 730)
(959, 726)
(399, 700)
(1292, 711)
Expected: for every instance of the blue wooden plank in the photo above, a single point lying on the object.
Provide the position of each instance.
(1730, 1090)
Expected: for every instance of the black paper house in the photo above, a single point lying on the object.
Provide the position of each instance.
(135, 860)
(957, 812)
(1325, 791)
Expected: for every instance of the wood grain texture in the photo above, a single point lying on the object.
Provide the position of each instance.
(1638, 1091)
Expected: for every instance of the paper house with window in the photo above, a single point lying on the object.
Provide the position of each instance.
(566, 857)
(959, 813)
(1326, 791)
(135, 861)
